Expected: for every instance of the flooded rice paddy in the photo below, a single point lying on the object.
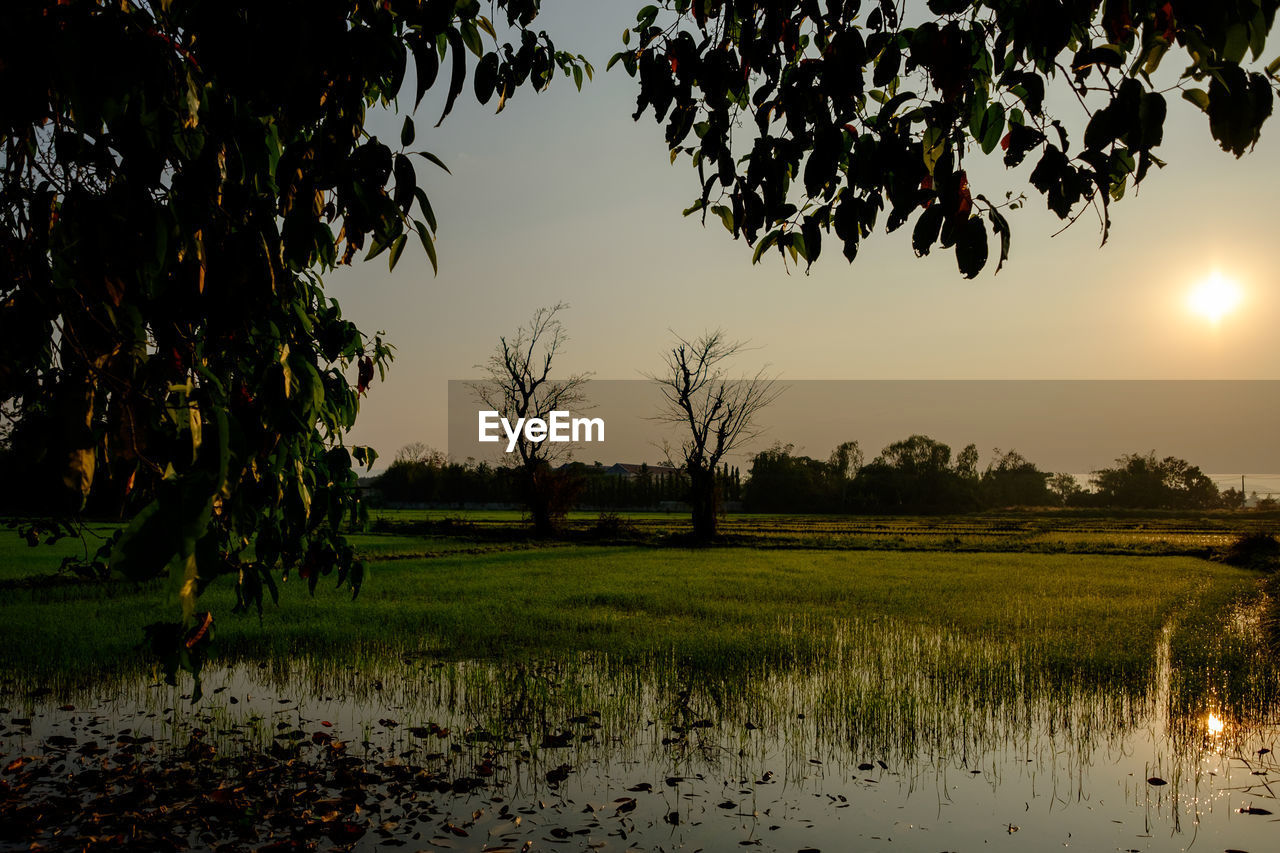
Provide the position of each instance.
(901, 738)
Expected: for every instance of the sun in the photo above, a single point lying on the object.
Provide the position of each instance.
(1214, 298)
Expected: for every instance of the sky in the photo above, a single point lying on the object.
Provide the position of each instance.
(563, 198)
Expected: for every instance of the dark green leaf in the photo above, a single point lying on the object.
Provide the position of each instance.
(434, 159)
(486, 77)
(971, 247)
(459, 72)
(429, 245)
(397, 248)
(925, 232)
(427, 63)
(991, 128)
(1000, 226)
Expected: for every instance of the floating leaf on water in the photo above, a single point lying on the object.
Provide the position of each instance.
(346, 831)
(557, 740)
(1157, 781)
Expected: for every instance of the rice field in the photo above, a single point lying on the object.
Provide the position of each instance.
(742, 694)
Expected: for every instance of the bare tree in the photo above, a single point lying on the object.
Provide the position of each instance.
(719, 413)
(517, 385)
(845, 463)
(421, 453)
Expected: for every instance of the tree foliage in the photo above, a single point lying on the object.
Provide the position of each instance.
(1143, 481)
(916, 474)
(175, 175)
(1013, 480)
(807, 117)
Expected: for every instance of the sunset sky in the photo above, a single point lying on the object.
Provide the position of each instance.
(563, 197)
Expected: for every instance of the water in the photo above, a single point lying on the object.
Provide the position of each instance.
(889, 744)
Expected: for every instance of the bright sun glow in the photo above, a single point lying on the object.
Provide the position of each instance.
(1215, 297)
(1214, 724)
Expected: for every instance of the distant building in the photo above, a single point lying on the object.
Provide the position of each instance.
(625, 469)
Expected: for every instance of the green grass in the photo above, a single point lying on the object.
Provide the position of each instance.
(20, 560)
(1152, 532)
(721, 608)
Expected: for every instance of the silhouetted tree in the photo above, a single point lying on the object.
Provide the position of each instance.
(717, 413)
(1065, 488)
(1144, 482)
(1012, 480)
(1232, 498)
(519, 385)
(916, 475)
(414, 476)
(783, 482)
(845, 462)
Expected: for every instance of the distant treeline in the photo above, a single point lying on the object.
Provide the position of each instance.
(915, 475)
(420, 475)
(919, 475)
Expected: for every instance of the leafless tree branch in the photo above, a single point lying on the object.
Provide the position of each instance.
(720, 412)
(518, 382)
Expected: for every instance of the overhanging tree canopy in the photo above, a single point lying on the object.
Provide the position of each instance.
(174, 176)
(805, 117)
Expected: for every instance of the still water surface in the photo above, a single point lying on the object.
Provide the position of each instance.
(879, 749)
